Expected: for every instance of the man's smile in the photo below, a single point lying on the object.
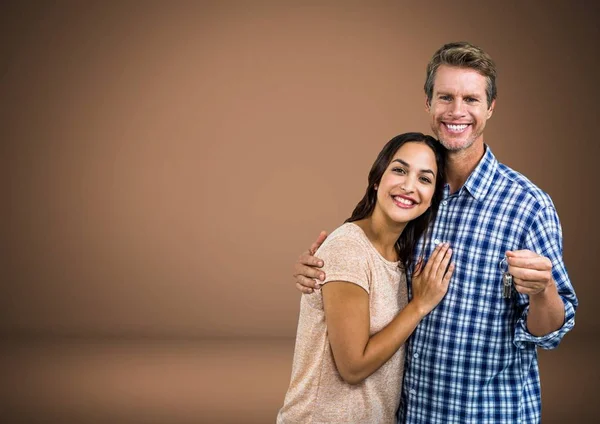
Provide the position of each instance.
(456, 128)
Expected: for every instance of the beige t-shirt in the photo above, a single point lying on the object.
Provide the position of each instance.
(317, 393)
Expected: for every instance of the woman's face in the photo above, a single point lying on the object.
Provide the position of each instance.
(408, 184)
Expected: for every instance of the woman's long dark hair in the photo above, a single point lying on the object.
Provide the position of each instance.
(419, 226)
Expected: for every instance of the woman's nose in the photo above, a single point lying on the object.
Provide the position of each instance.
(408, 184)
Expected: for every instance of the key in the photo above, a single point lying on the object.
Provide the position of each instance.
(507, 283)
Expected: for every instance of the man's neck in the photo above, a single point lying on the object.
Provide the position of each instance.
(461, 164)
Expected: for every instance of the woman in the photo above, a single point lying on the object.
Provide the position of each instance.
(349, 356)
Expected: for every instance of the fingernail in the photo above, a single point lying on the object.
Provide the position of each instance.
(322, 277)
(320, 263)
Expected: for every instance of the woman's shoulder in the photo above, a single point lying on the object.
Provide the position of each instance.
(347, 238)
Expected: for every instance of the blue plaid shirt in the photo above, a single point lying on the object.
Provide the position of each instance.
(472, 360)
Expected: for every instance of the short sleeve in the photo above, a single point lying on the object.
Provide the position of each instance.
(345, 259)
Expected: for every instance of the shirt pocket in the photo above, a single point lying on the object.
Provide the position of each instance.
(482, 292)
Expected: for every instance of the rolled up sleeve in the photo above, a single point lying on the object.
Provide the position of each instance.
(545, 238)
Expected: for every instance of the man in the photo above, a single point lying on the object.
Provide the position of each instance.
(473, 359)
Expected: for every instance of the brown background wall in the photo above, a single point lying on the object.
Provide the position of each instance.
(164, 163)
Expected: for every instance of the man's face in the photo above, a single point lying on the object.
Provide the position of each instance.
(458, 108)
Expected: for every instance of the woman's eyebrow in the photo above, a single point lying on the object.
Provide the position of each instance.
(429, 171)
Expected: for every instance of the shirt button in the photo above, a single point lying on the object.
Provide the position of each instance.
(445, 202)
(413, 392)
(416, 356)
(436, 241)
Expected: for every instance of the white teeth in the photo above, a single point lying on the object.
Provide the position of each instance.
(457, 128)
(403, 201)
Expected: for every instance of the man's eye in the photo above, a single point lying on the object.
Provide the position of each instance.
(444, 97)
(470, 100)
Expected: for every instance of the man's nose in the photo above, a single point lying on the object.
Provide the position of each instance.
(457, 108)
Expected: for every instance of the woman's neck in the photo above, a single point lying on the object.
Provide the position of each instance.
(383, 234)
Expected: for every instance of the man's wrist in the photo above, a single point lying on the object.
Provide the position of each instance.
(545, 295)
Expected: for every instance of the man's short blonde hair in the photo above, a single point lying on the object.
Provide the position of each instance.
(463, 55)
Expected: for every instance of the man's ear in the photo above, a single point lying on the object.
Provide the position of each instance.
(427, 105)
(490, 110)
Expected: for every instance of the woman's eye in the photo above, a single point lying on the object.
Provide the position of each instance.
(399, 170)
(426, 180)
